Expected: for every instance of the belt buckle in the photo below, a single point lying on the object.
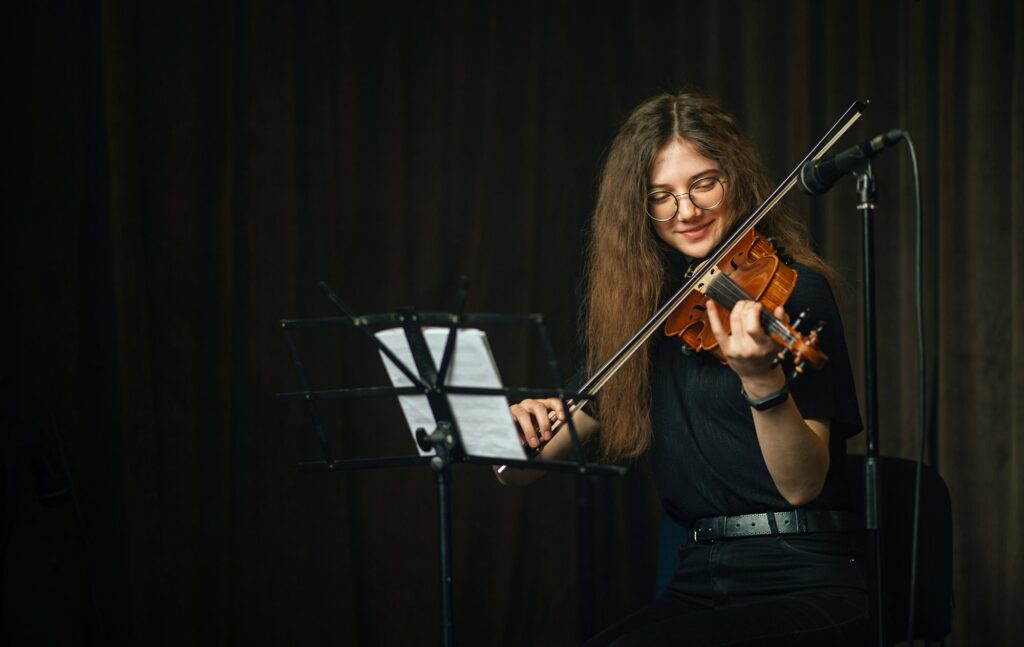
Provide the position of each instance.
(707, 533)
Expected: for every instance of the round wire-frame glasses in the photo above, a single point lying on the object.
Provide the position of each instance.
(704, 193)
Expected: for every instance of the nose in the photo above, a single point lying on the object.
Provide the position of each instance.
(686, 209)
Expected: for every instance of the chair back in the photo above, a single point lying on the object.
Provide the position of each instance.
(933, 614)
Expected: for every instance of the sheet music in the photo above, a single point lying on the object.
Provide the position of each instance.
(483, 420)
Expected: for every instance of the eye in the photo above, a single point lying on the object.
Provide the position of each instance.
(704, 184)
(659, 197)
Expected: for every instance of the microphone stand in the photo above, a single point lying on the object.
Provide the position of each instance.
(866, 196)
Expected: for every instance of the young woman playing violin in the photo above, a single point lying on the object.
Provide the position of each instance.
(750, 461)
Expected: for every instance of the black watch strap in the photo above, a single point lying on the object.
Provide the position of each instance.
(768, 401)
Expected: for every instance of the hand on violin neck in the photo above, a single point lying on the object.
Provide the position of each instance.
(746, 346)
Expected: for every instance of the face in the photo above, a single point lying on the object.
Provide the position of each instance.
(693, 231)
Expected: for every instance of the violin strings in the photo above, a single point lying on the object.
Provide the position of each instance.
(728, 292)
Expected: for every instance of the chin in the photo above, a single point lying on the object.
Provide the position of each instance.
(696, 249)
(695, 252)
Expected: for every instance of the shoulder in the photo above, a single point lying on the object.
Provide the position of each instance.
(811, 281)
(812, 291)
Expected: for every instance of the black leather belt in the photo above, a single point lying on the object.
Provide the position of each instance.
(790, 522)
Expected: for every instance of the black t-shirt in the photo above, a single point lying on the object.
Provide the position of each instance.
(705, 454)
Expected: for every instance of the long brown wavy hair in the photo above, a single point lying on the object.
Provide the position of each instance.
(629, 267)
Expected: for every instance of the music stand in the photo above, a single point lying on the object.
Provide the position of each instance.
(445, 438)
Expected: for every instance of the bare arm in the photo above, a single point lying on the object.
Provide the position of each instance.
(795, 450)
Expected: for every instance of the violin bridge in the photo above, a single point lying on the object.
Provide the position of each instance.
(704, 282)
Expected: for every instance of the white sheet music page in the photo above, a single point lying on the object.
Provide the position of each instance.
(483, 420)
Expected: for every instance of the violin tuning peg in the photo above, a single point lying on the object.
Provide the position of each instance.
(798, 365)
(771, 241)
(821, 326)
(787, 259)
(780, 357)
(800, 318)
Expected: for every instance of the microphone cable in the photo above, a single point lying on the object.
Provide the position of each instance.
(919, 306)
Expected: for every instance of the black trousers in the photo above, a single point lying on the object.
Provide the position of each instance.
(776, 590)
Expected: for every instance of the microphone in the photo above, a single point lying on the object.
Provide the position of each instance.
(817, 177)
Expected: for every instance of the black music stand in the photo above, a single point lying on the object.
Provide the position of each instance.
(428, 380)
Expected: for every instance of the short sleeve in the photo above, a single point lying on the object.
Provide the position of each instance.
(827, 393)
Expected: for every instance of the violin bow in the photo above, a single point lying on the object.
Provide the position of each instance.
(597, 381)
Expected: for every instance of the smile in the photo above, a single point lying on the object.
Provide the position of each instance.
(695, 232)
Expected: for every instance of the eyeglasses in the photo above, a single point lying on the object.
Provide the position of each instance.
(705, 193)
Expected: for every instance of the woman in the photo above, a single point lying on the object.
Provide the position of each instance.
(752, 463)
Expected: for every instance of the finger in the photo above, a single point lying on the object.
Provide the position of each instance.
(540, 415)
(744, 317)
(756, 331)
(524, 420)
(555, 405)
(736, 316)
(714, 318)
(752, 323)
(780, 313)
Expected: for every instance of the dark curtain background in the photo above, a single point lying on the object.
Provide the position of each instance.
(178, 178)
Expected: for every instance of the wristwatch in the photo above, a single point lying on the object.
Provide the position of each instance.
(768, 401)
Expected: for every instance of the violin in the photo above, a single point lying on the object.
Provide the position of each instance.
(743, 266)
(754, 269)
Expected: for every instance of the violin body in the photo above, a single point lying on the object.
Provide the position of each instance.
(752, 270)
